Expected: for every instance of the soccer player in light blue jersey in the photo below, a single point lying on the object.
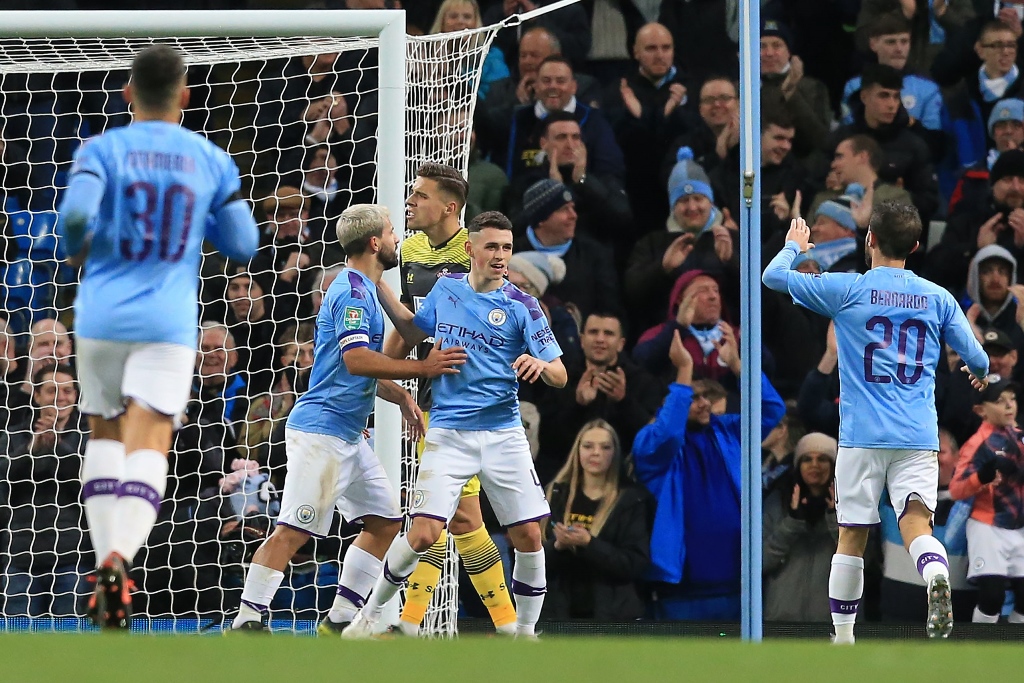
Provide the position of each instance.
(140, 201)
(889, 325)
(475, 426)
(330, 464)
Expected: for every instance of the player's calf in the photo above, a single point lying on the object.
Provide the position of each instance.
(266, 574)
(529, 580)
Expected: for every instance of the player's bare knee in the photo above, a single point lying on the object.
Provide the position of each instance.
(468, 517)
(144, 428)
(915, 522)
(852, 541)
(526, 538)
(286, 539)
(381, 528)
(105, 429)
(424, 533)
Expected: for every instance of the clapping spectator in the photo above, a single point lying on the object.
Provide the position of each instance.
(597, 540)
(250, 319)
(288, 259)
(608, 386)
(690, 460)
(49, 554)
(778, 448)
(800, 535)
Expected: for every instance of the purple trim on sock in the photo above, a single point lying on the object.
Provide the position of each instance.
(351, 596)
(858, 526)
(139, 489)
(930, 557)
(393, 578)
(907, 500)
(429, 516)
(843, 606)
(527, 521)
(99, 487)
(526, 590)
(298, 528)
(253, 605)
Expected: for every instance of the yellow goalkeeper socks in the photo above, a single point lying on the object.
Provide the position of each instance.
(484, 566)
(423, 581)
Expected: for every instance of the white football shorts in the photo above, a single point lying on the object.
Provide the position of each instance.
(863, 473)
(993, 551)
(501, 458)
(156, 374)
(325, 472)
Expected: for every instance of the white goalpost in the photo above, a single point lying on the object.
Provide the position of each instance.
(352, 131)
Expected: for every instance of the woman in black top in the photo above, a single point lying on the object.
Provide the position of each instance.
(597, 541)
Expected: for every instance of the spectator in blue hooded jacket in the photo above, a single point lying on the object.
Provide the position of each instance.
(690, 460)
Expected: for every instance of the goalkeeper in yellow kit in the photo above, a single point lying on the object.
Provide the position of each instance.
(438, 246)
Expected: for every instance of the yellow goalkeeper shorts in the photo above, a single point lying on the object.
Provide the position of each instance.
(472, 487)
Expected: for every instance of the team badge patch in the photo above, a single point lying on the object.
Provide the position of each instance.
(305, 514)
(418, 499)
(496, 317)
(353, 318)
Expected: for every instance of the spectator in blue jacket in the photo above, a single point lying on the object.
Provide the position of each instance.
(689, 459)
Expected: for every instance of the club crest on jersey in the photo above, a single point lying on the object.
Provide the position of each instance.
(305, 514)
(353, 318)
(496, 317)
(418, 499)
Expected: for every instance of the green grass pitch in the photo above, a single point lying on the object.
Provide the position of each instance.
(82, 658)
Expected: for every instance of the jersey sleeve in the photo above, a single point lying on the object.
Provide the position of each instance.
(426, 312)
(230, 182)
(352, 317)
(956, 330)
(823, 293)
(540, 340)
(86, 184)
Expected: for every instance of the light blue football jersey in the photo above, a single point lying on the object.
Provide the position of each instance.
(889, 326)
(161, 185)
(338, 403)
(494, 328)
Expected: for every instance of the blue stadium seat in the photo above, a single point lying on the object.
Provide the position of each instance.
(27, 293)
(35, 234)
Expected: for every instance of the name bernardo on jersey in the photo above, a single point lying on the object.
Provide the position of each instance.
(882, 297)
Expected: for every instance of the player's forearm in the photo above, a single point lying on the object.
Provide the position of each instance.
(776, 275)
(392, 392)
(395, 346)
(554, 375)
(80, 205)
(366, 363)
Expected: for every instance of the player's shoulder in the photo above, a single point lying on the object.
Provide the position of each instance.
(517, 298)
(417, 249)
(350, 285)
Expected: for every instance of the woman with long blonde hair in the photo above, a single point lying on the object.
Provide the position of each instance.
(597, 541)
(462, 15)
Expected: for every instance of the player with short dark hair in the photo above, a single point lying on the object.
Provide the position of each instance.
(140, 202)
(889, 323)
(438, 247)
(475, 425)
(330, 464)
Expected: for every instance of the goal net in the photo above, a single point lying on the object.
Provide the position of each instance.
(300, 116)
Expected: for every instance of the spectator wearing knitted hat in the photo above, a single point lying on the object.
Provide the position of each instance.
(834, 233)
(907, 161)
(784, 84)
(1006, 131)
(800, 532)
(600, 201)
(697, 236)
(590, 278)
(996, 220)
(250, 319)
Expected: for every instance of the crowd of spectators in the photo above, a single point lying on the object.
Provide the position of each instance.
(609, 132)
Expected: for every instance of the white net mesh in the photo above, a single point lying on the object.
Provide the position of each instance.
(302, 128)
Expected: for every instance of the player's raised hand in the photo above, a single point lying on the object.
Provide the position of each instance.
(978, 383)
(443, 361)
(800, 233)
(528, 368)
